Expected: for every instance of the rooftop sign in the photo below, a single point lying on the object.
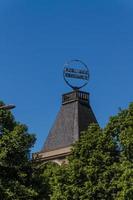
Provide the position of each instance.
(76, 74)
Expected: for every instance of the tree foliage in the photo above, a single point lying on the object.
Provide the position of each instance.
(101, 164)
(44, 179)
(99, 168)
(121, 128)
(15, 167)
(89, 172)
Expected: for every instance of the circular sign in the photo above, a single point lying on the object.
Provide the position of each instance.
(76, 74)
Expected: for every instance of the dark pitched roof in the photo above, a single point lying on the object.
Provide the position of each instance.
(74, 116)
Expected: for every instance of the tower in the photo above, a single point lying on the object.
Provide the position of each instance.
(75, 116)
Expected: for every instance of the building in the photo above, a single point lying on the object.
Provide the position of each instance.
(74, 117)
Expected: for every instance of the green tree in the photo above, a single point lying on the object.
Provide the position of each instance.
(15, 166)
(100, 167)
(89, 172)
(101, 164)
(44, 179)
(121, 129)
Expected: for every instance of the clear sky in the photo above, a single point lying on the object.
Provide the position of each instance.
(38, 36)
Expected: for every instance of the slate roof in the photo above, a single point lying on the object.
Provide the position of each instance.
(74, 116)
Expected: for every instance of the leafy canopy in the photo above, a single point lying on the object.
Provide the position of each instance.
(101, 164)
(15, 166)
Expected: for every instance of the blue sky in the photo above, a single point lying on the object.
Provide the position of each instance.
(38, 37)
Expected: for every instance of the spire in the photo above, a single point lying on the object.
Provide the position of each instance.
(75, 116)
